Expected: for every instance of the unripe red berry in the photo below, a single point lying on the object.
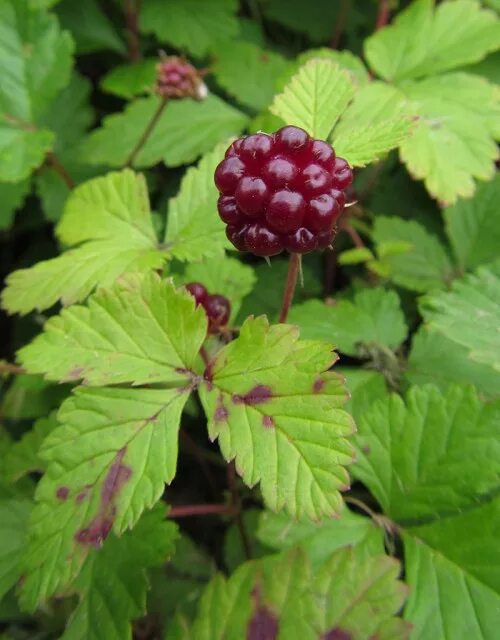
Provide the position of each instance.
(218, 310)
(198, 291)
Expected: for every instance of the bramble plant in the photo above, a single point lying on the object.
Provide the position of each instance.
(251, 373)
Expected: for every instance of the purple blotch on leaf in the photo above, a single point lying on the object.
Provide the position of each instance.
(221, 413)
(259, 394)
(263, 625)
(62, 493)
(268, 422)
(318, 385)
(336, 634)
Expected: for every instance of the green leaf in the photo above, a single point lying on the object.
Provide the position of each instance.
(347, 596)
(468, 314)
(374, 316)
(432, 464)
(248, 72)
(141, 331)
(453, 141)
(89, 26)
(320, 539)
(226, 276)
(111, 216)
(454, 585)
(130, 80)
(315, 97)
(355, 256)
(315, 19)
(437, 359)
(276, 410)
(22, 457)
(195, 25)
(35, 62)
(97, 484)
(194, 229)
(14, 515)
(345, 59)
(411, 454)
(185, 130)
(424, 40)
(377, 120)
(113, 582)
(472, 226)
(12, 196)
(425, 266)
(365, 386)
(31, 397)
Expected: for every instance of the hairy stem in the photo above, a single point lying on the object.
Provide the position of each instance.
(291, 281)
(7, 367)
(383, 14)
(132, 24)
(185, 511)
(147, 132)
(354, 235)
(53, 161)
(236, 504)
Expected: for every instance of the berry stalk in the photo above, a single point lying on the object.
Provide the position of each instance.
(147, 132)
(291, 281)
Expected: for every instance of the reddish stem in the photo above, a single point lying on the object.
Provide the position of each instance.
(53, 161)
(354, 235)
(291, 281)
(188, 510)
(340, 24)
(7, 367)
(147, 132)
(132, 23)
(383, 14)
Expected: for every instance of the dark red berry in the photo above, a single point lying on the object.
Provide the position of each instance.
(285, 211)
(228, 210)
(218, 311)
(279, 172)
(251, 195)
(228, 174)
(302, 241)
(314, 180)
(342, 174)
(291, 139)
(198, 291)
(283, 191)
(237, 236)
(323, 154)
(321, 212)
(262, 241)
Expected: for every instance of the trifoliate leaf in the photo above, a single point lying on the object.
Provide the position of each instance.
(377, 120)
(425, 265)
(320, 539)
(453, 141)
(345, 59)
(226, 276)
(140, 331)
(248, 72)
(129, 80)
(107, 462)
(451, 568)
(195, 25)
(424, 40)
(436, 359)
(276, 409)
(432, 463)
(472, 226)
(469, 313)
(194, 228)
(315, 97)
(184, 131)
(374, 317)
(347, 596)
(22, 456)
(35, 62)
(89, 26)
(110, 215)
(12, 195)
(411, 455)
(113, 582)
(14, 515)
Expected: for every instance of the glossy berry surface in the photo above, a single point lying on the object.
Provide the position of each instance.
(217, 307)
(283, 191)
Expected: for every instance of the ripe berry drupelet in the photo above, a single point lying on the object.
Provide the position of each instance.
(217, 307)
(281, 191)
